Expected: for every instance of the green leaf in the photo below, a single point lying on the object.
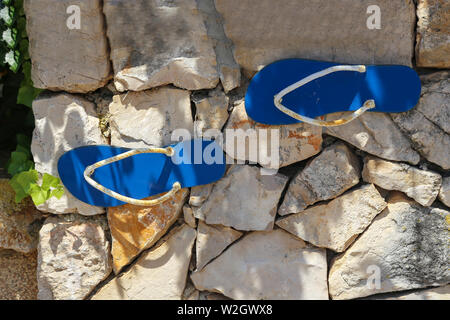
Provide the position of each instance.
(58, 192)
(18, 189)
(22, 27)
(19, 162)
(38, 195)
(27, 94)
(23, 140)
(27, 179)
(23, 49)
(49, 181)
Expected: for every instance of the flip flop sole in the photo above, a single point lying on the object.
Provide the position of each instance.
(195, 162)
(393, 88)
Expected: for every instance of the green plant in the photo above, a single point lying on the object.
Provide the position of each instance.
(25, 181)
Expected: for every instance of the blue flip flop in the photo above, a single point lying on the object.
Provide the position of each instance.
(111, 176)
(296, 90)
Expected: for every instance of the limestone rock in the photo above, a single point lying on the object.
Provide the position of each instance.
(434, 103)
(337, 224)
(444, 193)
(423, 186)
(159, 274)
(429, 139)
(63, 122)
(244, 199)
(297, 142)
(189, 217)
(135, 228)
(406, 243)
(212, 113)
(267, 265)
(199, 194)
(19, 222)
(64, 59)
(229, 70)
(73, 257)
(211, 241)
(433, 34)
(18, 279)
(440, 293)
(211, 296)
(327, 176)
(154, 43)
(142, 119)
(265, 32)
(377, 134)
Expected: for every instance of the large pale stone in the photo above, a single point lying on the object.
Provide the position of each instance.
(142, 119)
(212, 240)
(440, 293)
(332, 30)
(377, 134)
(19, 222)
(423, 186)
(189, 218)
(297, 142)
(229, 70)
(211, 112)
(244, 199)
(267, 265)
(18, 279)
(154, 43)
(330, 174)
(433, 34)
(160, 274)
(73, 60)
(135, 228)
(429, 139)
(63, 122)
(434, 103)
(444, 193)
(73, 257)
(406, 243)
(337, 224)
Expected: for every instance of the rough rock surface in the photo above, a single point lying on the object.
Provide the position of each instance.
(142, 119)
(433, 34)
(296, 142)
(440, 293)
(265, 33)
(244, 199)
(64, 59)
(154, 43)
(229, 70)
(19, 222)
(337, 224)
(73, 257)
(429, 139)
(377, 134)
(199, 194)
(444, 193)
(63, 122)
(212, 240)
(136, 228)
(267, 265)
(211, 113)
(159, 274)
(407, 242)
(423, 186)
(18, 279)
(189, 218)
(327, 176)
(434, 103)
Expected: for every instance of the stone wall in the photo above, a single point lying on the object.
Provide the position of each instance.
(355, 211)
